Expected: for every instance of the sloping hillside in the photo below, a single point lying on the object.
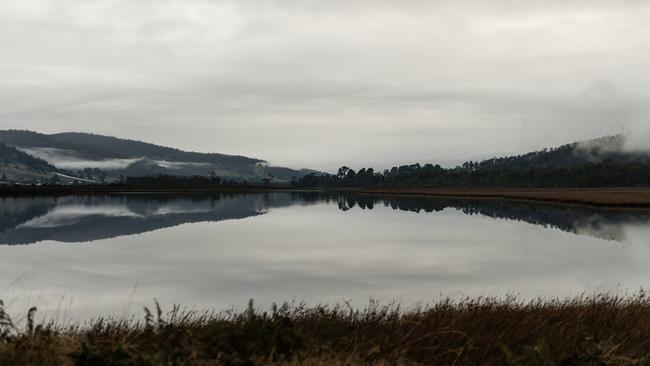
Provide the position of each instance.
(570, 155)
(115, 156)
(16, 165)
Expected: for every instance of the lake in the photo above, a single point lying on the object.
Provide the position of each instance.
(81, 256)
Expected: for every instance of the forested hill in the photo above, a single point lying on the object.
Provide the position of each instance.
(115, 157)
(601, 162)
(570, 155)
(98, 147)
(16, 164)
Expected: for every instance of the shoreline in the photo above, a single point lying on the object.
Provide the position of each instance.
(593, 197)
(108, 189)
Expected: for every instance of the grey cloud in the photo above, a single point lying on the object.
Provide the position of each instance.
(321, 84)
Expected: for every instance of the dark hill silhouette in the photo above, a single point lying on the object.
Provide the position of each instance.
(602, 162)
(18, 165)
(11, 155)
(599, 162)
(145, 158)
(598, 150)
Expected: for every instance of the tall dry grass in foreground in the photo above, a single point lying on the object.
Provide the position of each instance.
(587, 330)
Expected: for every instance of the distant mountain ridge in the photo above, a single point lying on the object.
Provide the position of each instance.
(116, 157)
(28, 155)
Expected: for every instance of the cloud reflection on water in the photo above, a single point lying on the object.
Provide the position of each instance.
(198, 251)
(78, 219)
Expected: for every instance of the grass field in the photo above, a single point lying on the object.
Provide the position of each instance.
(586, 330)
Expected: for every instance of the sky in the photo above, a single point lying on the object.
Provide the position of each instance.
(321, 84)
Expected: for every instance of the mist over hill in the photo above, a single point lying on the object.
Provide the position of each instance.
(29, 156)
(114, 157)
(608, 148)
(16, 165)
(602, 162)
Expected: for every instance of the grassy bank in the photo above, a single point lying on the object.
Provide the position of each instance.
(596, 330)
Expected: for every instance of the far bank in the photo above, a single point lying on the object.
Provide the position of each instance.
(598, 197)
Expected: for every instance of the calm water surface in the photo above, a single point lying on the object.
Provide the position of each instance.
(77, 257)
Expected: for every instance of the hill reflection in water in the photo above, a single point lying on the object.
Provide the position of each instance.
(26, 220)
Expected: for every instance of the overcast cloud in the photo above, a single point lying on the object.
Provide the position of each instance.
(313, 83)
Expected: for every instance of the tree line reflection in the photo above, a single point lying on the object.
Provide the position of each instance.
(604, 223)
(26, 220)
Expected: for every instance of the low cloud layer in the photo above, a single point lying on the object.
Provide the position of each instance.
(65, 159)
(321, 84)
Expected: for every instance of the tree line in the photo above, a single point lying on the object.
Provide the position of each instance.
(174, 181)
(607, 173)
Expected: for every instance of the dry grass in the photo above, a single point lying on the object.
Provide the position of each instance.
(594, 330)
(607, 197)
